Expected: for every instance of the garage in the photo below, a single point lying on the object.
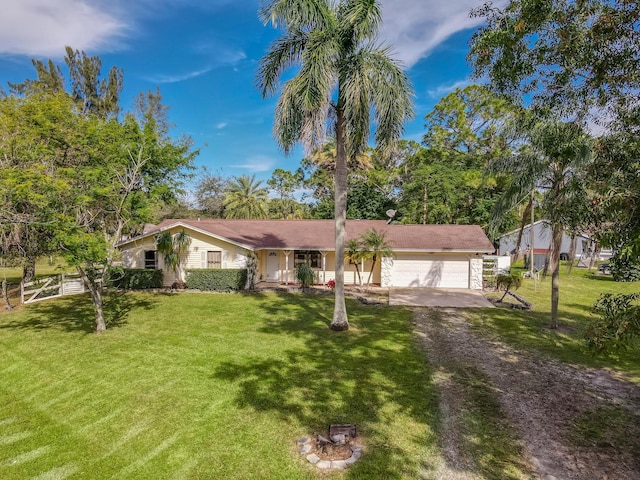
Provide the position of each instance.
(429, 270)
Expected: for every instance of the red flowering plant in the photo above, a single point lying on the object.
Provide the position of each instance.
(331, 284)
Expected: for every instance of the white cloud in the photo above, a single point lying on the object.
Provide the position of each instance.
(43, 28)
(161, 78)
(414, 28)
(221, 125)
(258, 163)
(441, 90)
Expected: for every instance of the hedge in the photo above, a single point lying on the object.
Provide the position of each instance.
(216, 280)
(135, 278)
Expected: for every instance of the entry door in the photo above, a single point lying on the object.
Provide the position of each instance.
(273, 266)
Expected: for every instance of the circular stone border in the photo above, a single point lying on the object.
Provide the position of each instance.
(305, 448)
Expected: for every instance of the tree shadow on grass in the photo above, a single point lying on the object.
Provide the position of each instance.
(372, 376)
(76, 313)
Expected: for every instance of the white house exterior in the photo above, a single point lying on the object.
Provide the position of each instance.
(445, 256)
(542, 241)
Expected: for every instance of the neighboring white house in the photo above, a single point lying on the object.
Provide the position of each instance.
(585, 246)
(447, 256)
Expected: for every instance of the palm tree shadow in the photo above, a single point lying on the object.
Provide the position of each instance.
(368, 376)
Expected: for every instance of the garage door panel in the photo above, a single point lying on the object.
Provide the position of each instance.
(430, 271)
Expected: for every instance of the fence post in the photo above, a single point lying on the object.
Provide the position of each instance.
(62, 284)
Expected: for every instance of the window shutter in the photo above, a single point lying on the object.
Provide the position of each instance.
(203, 259)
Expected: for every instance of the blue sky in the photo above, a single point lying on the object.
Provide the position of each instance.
(203, 55)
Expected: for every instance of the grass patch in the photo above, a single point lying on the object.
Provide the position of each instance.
(45, 266)
(606, 427)
(208, 386)
(578, 292)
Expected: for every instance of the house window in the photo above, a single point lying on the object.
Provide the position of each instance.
(311, 257)
(151, 259)
(214, 259)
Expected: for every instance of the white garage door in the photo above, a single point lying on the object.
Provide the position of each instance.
(421, 270)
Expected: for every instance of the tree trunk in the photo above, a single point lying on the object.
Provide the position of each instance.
(555, 272)
(340, 321)
(594, 255)
(373, 265)
(572, 253)
(96, 298)
(29, 270)
(525, 216)
(424, 205)
(5, 295)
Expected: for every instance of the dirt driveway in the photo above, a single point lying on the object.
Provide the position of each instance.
(438, 297)
(542, 400)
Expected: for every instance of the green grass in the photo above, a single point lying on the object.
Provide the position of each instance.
(529, 329)
(209, 386)
(44, 267)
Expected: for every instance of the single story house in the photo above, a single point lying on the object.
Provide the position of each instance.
(448, 256)
(585, 246)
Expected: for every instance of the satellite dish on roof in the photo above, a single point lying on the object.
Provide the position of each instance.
(390, 213)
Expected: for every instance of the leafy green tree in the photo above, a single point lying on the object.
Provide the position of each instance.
(173, 249)
(571, 55)
(374, 246)
(550, 161)
(285, 183)
(95, 95)
(246, 198)
(77, 178)
(342, 78)
(210, 194)
(448, 180)
(579, 59)
(39, 135)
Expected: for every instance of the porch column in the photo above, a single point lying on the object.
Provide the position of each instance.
(324, 266)
(286, 266)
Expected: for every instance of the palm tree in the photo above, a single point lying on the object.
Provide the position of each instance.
(551, 161)
(173, 248)
(374, 245)
(246, 198)
(324, 157)
(354, 254)
(343, 77)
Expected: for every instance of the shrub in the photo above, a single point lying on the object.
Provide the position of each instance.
(215, 280)
(304, 275)
(623, 269)
(135, 278)
(618, 321)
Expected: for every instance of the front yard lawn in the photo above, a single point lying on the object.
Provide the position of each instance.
(209, 386)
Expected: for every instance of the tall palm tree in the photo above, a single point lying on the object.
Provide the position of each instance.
(374, 245)
(551, 161)
(342, 78)
(246, 198)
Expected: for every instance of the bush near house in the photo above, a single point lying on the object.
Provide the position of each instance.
(217, 280)
(136, 278)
